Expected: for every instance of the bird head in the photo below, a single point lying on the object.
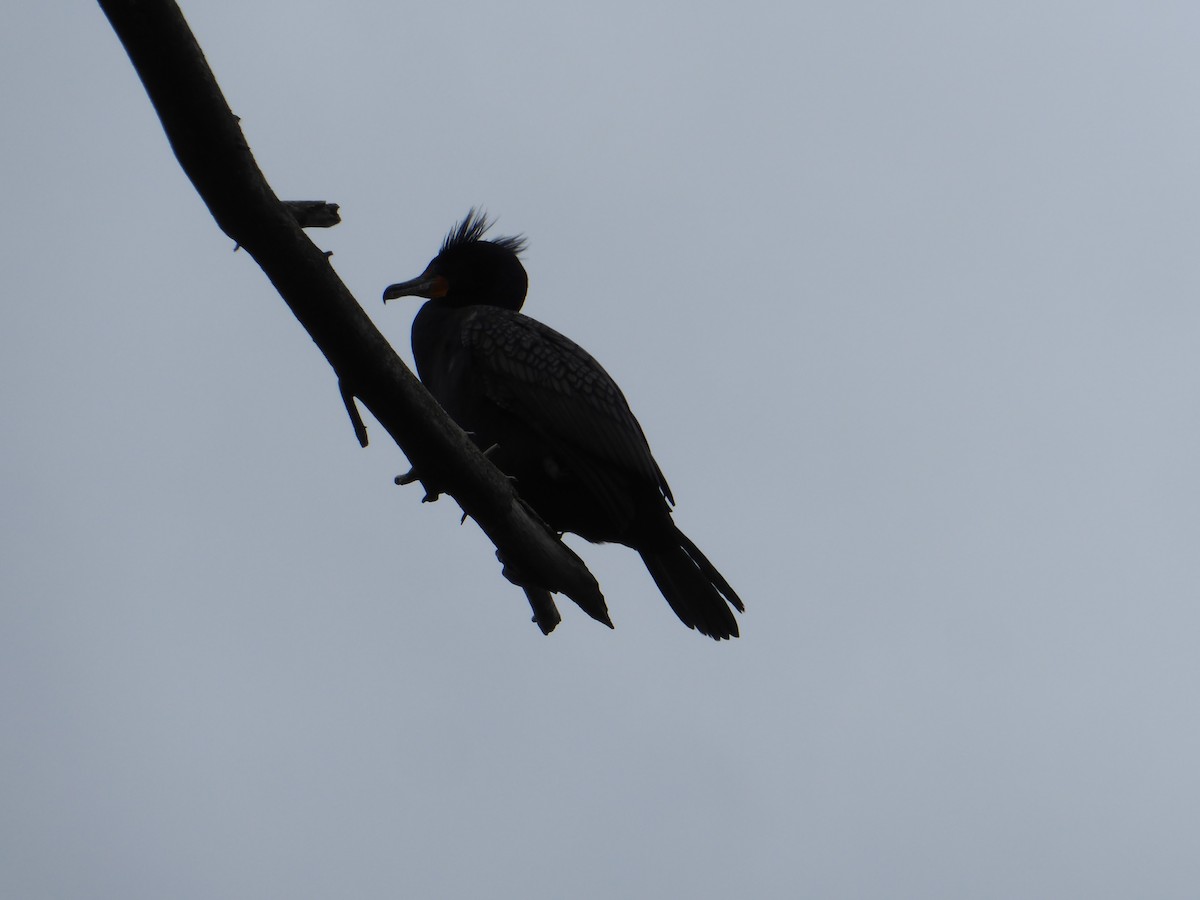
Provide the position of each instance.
(470, 271)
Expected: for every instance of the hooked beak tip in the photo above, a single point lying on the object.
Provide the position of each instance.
(424, 286)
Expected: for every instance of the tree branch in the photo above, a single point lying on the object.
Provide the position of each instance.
(314, 213)
(210, 146)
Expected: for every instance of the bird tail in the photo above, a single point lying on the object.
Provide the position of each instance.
(698, 593)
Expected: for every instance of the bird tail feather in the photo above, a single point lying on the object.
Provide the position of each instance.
(698, 593)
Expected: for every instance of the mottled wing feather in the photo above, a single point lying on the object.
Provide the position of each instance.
(556, 387)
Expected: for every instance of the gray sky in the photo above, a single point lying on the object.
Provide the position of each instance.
(905, 297)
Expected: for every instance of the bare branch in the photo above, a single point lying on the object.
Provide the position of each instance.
(360, 430)
(314, 213)
(210, 146)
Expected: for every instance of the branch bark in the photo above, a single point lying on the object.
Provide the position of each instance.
(211, 148)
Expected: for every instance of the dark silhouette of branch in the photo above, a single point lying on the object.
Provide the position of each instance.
(210, 146)
(314, 213)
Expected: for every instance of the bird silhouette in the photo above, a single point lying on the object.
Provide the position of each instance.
(552, 419)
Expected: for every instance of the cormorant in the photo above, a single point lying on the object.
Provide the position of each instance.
(552, 419)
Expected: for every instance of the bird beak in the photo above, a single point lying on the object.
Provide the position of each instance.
(427, 286)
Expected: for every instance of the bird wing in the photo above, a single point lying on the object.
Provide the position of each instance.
(557, 388)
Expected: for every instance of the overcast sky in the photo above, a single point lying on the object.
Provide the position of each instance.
(906, 299)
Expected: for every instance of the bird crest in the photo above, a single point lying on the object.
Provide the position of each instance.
(472, 229)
